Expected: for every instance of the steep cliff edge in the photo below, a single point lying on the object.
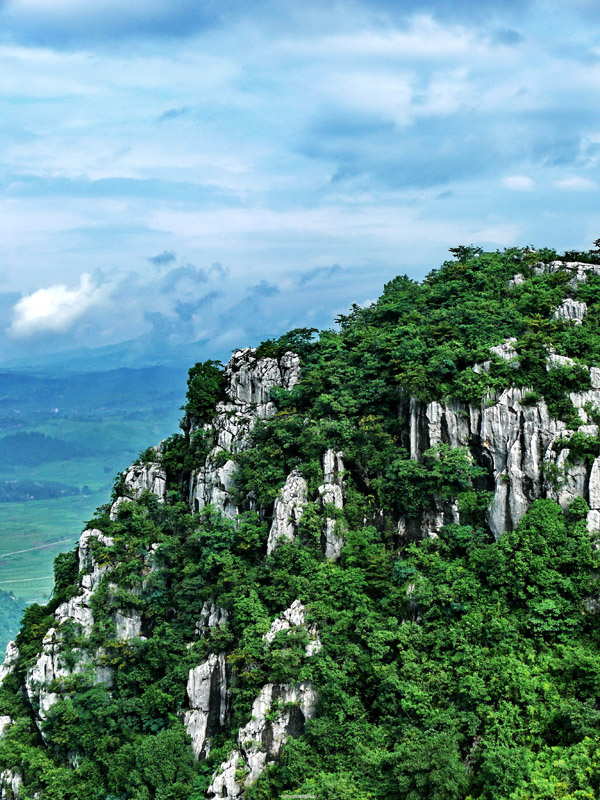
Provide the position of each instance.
(365, 568)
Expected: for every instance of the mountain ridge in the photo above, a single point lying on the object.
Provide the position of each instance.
(365, 568)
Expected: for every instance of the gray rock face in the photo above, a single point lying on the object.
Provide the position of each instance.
(512, 441)
(332, 493)
(78, 609)
(44, 681)
(10, 659)
(261, 740)
(288, 510)
(506, 350)
(140, 478)
(129, 624)
(578, 269)
(208, 697)
(211, 616)
(292, 619)
(10, 784)
(248, 387)
(5, 723)
(571, 310)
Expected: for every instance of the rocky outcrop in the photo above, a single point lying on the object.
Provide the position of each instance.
(293, 619)
(128, 624)
(10, 660)
(11, 782)
(288, 510)
(571, 310)
(5, 722)
(332, 493)
(249, 381)
(78, 609)
(45, 679)
(512, 441)
(212, 615)
(208, 698)
(579, 270)
(279, 712)
(139, 478)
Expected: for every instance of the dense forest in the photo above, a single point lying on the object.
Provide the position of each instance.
(450, 662)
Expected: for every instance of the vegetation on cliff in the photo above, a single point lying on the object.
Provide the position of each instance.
(453, 667)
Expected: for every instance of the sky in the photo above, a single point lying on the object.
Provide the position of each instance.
(221, 171)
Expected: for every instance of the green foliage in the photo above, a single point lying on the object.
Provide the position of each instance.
(205, 389)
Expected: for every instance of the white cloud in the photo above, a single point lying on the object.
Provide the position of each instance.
(519, 183)
(576, 183)
(54, 309)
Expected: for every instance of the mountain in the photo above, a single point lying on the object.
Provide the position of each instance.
(366, 567)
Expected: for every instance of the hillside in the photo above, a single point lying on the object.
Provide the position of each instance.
(365, 568)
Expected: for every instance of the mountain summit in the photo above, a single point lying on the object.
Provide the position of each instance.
(366, 568)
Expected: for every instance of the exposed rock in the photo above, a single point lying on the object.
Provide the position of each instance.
(293, 618)
(114, 509)
(224, 784)
(579, 270)
(10, 659)
(516, 280)
(129, 625)
(85, 551)
(287, 510)
(44, 680)
(208, 698)
(45, 673)
(332, 493)
(140, 478)
(5, 722)
(211, 616)
(78, 609)
(10, 784)
(506, 350)
(571, 310)
(280, 711)
(553, 361)
(509, 439)
(249, 382)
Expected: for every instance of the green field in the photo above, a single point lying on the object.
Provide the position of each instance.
(109, 428)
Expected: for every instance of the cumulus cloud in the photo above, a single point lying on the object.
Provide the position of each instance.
(520, 183)
(54, 309)
(576, 183)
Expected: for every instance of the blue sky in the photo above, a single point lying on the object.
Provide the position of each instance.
(223, 171)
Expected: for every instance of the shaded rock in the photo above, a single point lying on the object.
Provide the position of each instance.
(10, 660)
(11, 782)
(208, 698)
(279, 712)
(212, 615)
(332, 493)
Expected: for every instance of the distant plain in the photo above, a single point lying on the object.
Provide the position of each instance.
(94, 424)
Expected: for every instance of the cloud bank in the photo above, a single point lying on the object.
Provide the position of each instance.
(223, 170)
